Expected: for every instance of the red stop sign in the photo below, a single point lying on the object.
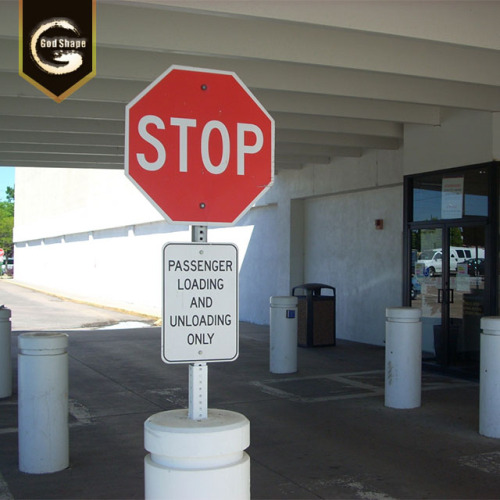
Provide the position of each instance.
(199, 145)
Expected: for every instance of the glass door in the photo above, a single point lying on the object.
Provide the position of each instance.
(448, 283)
(467, 302)
(427, 283)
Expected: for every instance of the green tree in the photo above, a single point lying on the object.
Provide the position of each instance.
(456, 238)
(9, 193)
(7, 222)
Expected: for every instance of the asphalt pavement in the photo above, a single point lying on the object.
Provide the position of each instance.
(322, 432)
(32, 311)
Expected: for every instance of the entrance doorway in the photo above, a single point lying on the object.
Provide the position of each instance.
(448, 284)
(451, 272)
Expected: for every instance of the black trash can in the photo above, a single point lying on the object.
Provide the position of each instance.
(315, 314)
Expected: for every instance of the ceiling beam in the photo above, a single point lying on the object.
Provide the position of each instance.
(460, 22)
(100, 91)
(60, 159)
(65, 164)
(334, 139)
(348, 107)
(318, 149)
(125, 64)
(471, 22)
(336, 124)
(42, 106)
(303, 159)
(42, 137)
(191, 33)
(57, 149)
(75, 125)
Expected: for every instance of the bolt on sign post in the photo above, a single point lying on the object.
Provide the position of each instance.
(57, 45)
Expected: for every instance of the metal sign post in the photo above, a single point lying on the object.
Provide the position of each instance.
(200, 310)
(198, 372)
(198, 391)
(200, 325)
(200, 279)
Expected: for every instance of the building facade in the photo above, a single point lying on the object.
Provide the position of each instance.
(387, 137)
(353, 224)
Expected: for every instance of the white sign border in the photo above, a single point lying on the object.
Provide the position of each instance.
(237, 344)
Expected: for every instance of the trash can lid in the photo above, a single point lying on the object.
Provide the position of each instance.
(403, 313)
(283, 301)
(4, 312)
(315, 288)
(491, 325)
(43, 341)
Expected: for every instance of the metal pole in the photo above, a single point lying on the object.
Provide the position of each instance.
(198, 372)
(198, 391)
(201, 456)
(198, 234)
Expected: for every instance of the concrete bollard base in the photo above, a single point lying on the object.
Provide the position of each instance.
(193, 459)
(403, 358)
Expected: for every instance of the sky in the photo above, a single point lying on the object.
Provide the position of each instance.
(6, 180)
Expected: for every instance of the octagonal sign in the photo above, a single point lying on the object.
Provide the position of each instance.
(199, 145)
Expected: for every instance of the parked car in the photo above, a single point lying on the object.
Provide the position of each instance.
(475, 267)
(433, 259)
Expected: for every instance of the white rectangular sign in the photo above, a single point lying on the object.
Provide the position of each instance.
(200, 302)
(452, 197)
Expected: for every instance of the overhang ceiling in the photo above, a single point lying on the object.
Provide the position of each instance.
(339, 77)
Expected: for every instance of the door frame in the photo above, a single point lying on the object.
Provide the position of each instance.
(491, 228)
(445, 297)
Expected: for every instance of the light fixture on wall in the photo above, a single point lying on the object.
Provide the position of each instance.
(379, 223)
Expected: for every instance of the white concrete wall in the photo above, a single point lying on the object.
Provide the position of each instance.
(121, 267)
(115, 256)
(53, 202)
(364, 264)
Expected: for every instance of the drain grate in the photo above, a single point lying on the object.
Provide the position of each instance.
(317, 388)
(345, 386)
(486, 462)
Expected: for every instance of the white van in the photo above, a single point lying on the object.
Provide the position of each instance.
(433, 259)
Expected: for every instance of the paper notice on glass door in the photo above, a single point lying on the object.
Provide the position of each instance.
(452, 198)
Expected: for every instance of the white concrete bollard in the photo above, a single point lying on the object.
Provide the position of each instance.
(5, 354)
(43, 402)
(403, 357)
(197, 459)
(283, 334)
(489, 378)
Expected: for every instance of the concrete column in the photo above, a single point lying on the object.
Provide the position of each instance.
(489, 378)
(403, 357)
(43, 402)
(197, 459)
(5, 354)
(283, 335)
